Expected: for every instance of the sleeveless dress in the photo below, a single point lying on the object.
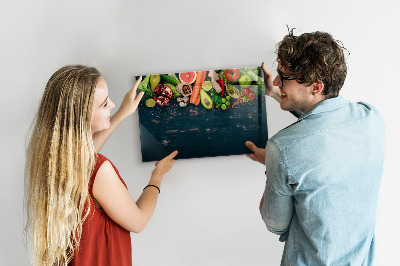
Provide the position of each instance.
(103, 241)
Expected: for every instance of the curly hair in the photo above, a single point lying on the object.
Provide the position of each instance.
(314, 57)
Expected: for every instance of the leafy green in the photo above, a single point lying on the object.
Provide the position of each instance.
(252, 72)
(222, 74)
(145, 87)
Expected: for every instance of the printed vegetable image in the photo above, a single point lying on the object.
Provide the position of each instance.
(201, 113)
(233, 91)
(172, 79)
(184, 88)
(154, 80)
(245, 81)
(214, 89)
(150, 102)
(232, 74)
(206, 100)
(252, 96)
(163, 94)
(145, 87)
(222, 85)
(207, 85)
(188, 77)
(201, 75)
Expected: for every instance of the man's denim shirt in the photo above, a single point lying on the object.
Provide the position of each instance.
(323, 176)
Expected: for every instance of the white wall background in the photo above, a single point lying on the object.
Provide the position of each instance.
(208, 209)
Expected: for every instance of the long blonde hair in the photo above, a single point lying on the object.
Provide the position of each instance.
(59, 162)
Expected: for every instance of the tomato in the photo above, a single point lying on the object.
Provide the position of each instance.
(245, 91)
(251, 96)
(232, 74)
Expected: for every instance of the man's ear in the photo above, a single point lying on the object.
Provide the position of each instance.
(317, 88)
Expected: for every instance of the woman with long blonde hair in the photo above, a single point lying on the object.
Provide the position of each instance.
(79, 211)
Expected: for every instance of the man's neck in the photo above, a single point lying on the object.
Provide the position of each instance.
(316, 100)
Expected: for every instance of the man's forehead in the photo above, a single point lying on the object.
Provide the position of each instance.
(283, 70)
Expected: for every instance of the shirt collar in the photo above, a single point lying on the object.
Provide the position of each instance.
(325, 106)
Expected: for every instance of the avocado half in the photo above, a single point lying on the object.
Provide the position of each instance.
(205, 99)
(154, 81)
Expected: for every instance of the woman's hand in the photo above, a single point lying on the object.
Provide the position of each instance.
(258, 155)
(270, 89)
(131, 101)
(163, 166)
(128, 107)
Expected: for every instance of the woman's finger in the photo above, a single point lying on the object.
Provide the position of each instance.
(135, 86)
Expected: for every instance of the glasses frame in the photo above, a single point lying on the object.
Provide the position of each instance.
(282, 78)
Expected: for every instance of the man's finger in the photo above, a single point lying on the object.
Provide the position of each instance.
(265, 69)
(251, 146)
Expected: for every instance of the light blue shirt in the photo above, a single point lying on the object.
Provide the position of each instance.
(323, 176)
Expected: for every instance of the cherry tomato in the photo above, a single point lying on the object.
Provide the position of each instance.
(251, 96)
(245, 91)
(232, 74)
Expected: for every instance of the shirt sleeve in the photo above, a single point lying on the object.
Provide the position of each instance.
(277, 209)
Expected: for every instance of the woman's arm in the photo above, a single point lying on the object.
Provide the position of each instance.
(116, 201)
(128, 106)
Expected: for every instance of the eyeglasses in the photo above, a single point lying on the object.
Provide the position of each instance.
(282, 78)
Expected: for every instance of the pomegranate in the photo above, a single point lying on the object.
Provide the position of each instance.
(158, 90)
(167, 91)
(161, 100)
(161, 90)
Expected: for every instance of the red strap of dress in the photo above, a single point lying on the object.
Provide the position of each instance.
(100, 159)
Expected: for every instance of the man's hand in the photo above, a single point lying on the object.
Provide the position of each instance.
(258, 155)
(270, 89)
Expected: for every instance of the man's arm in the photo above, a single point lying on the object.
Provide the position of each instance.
(276, 206)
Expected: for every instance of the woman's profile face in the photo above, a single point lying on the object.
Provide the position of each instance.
(102, 106)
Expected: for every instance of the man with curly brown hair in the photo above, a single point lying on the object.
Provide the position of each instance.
(323, 171)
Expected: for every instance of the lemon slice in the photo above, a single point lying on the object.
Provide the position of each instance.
(150, 102)
(207, 85)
